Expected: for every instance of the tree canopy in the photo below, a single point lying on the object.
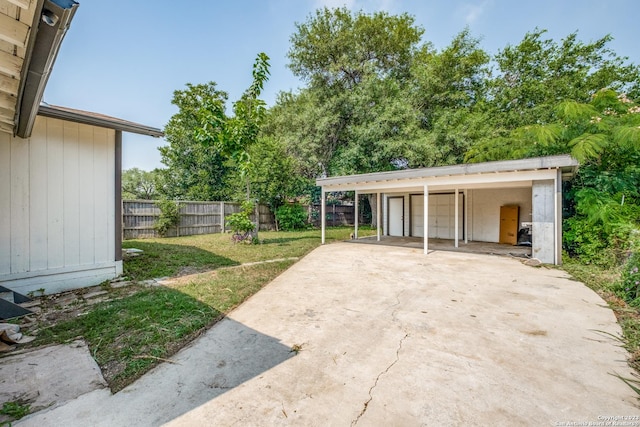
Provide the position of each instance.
(377, 97)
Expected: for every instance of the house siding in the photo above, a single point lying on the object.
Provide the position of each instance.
(57, 211)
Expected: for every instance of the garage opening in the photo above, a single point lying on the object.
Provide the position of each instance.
(441, 215)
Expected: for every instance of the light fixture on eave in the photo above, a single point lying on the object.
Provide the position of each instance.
(49, 18)
(48, 31)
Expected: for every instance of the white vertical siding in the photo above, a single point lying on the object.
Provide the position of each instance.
(86, 195)
(55, 194)
(56, 203)
(102, 205)
(5, 197)
(19, 205)
(37, 194)
(71, 194)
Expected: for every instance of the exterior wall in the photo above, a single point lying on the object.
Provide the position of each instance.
(57, 211)
(544, 229)
(484, 210)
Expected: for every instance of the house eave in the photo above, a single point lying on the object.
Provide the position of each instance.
(567, 164)
(43, 49)
(85, 117)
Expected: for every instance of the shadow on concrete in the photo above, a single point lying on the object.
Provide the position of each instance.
(226, 356)
(448, 245)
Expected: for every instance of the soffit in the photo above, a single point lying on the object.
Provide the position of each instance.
(16, 20)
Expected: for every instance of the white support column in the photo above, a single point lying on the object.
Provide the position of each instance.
(323, 215)
(355, 218)
(558, 218)
(466, 216)
(378, 214)
(426, 219)
(456, 220)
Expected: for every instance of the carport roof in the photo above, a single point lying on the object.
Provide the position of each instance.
(567, 164)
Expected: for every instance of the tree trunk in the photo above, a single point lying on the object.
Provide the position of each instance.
(373, 202)
(256, 212)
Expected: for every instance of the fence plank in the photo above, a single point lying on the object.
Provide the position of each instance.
(140, 216)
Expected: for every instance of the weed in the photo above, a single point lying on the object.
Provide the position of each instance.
(16, 409)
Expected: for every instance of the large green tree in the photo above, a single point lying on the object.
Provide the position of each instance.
(352, 116)
(193, 170)
(337, 48)
(449, 92)
(139, 184)
(531, 77)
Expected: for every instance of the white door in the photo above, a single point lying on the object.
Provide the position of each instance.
(442, 216)
(396, 216)
(417, 215)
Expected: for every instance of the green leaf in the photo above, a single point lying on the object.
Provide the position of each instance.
(588, 146)
(540, 134)
(627, 136)
(573, 111)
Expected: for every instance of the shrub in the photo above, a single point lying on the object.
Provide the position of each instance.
(629, 285)
(291, 217)
(240, 222)
(169, 216)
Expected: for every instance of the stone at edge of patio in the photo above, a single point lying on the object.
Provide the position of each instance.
(51, 376)
(533, 262)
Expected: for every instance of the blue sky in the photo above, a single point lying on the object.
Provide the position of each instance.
(125, 59)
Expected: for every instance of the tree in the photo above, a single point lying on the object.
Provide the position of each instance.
(195, 171)
(336, 48)
(351, 118)
(232, 137)
(533, 76)
(139, 184)
(604, 198)
(449, 92)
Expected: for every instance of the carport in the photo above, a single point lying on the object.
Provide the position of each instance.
(498, 202)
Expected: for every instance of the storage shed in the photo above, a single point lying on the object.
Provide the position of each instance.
(486, 202)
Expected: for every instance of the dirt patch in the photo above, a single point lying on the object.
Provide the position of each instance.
(49, 310)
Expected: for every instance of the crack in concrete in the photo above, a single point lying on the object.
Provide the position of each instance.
(366, 404)
(395, 311)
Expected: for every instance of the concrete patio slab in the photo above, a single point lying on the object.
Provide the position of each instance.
(388, 336)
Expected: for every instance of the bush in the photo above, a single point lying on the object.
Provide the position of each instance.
(291, 217)
(240, 222)
(629, 285)
(169, 216)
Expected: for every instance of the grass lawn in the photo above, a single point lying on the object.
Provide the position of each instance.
(140, 326)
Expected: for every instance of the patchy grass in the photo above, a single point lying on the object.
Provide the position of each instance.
(191, 254)
(603, 282)
(136, 329)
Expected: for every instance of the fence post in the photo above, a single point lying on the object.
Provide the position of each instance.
(333, 217)
(179, 219)
(222, 221)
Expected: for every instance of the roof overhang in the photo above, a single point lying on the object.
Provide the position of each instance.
(95, 119)
(49, 28)
(31, 32)
(508, 173)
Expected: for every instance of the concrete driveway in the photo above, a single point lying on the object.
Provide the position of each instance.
(388, 336)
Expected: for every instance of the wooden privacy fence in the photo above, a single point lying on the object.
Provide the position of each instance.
(139, 217)
(336, 215)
